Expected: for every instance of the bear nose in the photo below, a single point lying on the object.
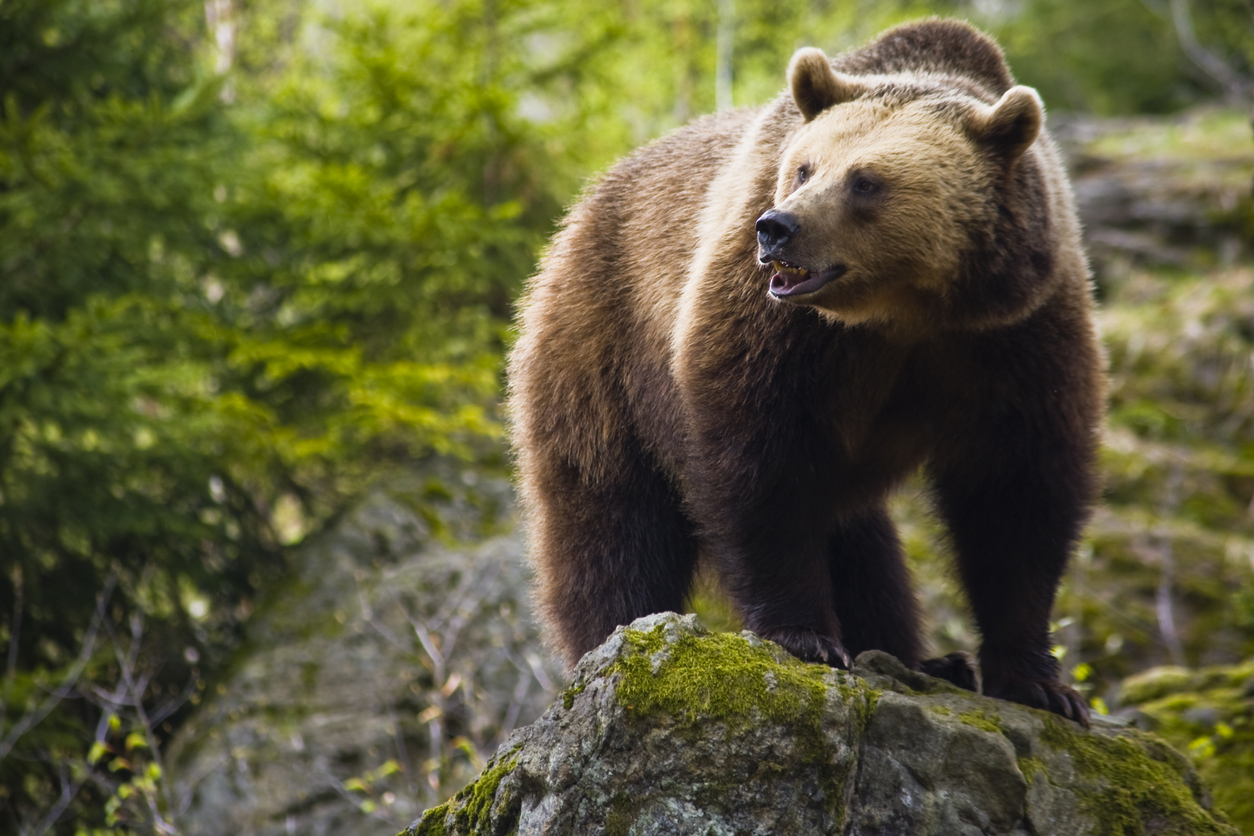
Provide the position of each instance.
(775, 229)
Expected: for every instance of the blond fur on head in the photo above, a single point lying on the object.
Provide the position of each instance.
(900, 249)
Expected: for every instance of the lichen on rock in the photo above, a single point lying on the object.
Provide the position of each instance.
(669, 729)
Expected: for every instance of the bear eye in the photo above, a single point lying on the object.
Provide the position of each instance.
(865, 185)
(803, 174)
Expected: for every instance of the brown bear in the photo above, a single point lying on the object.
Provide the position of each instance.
(749, 332)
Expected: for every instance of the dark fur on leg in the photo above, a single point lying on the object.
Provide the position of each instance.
(637, 559)
(1015, 489)
(872, 594)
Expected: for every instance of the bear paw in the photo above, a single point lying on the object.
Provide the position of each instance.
(809, 646)
(1049, 694)
(957, 668)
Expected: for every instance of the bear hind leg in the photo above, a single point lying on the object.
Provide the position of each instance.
(871, 588)
(607, 552)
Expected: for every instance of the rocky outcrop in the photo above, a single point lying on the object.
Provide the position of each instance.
(372, 685)
(669, 729)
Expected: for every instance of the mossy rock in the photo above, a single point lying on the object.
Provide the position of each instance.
(1209, 714)
(670, 729)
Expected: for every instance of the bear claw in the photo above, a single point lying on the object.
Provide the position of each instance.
(809, 646)
(1048, 694)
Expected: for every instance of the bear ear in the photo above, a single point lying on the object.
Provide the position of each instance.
(1012, 124)
(815, 85)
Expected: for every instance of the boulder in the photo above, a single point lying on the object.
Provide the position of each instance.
(1208, 713)
(669, 729)
(373, 683)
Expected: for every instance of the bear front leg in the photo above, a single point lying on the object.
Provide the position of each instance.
(766, 531)
(805, 627)
(1014, 520)
(761, 464)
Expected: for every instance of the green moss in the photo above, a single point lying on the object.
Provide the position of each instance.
(477, 799)
(982, 720)
(862, 707)
(1206, 714)
(1230, 774)
(432, 823)
(471, 809)
(943, 710)
(1139, 779)
(1033, 769)
(650, 642)
(720, 677)
(568, 696)
(1155, 684)
(623, 812)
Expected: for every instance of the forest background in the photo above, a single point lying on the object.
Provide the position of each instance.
(257, 255)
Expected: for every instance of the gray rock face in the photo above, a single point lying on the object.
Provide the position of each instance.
(373, 685)
(668, 729)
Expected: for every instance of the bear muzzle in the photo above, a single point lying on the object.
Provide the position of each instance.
(775, 230)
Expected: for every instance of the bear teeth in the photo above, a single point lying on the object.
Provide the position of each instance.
(785, 267)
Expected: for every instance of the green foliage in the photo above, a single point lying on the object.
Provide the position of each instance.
(227, 305)
(116, 444)
(1109, 57)
(1121, 56)
(1180, 474)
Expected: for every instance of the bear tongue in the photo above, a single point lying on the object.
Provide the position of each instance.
(787, 277)
(794, 281)
(783, 283)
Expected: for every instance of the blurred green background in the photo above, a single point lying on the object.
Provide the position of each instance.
(258, 255)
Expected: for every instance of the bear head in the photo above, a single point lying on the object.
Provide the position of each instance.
(895, 190)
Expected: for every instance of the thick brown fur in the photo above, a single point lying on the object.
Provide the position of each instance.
(667, 408)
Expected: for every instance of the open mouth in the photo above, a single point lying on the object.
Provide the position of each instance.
(791, 280)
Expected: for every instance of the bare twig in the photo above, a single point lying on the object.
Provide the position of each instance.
(433, 641)
(34, 717)
(519, 695)
(1166, 579)
(1233, 85)
(15, 629)
(126, 695)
